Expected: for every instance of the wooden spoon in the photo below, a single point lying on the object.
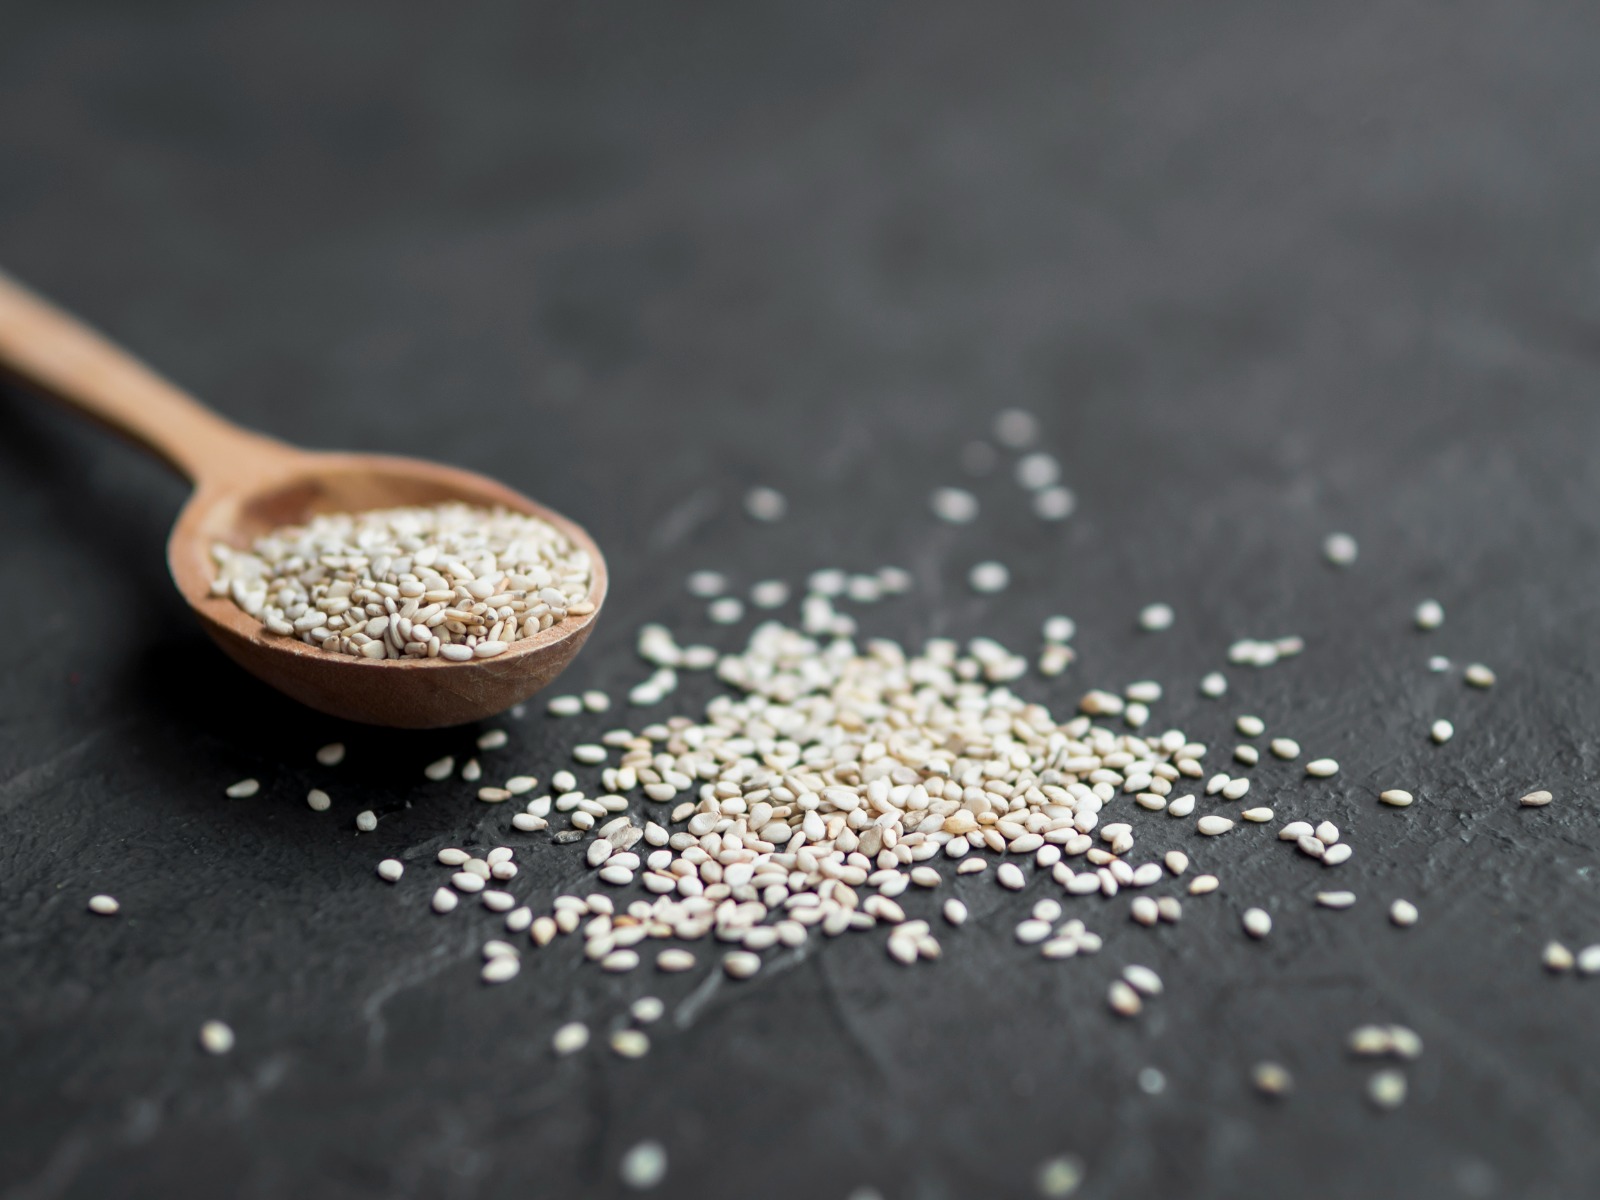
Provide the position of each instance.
(245, 484)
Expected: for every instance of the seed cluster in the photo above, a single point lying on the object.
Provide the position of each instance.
(452, 581)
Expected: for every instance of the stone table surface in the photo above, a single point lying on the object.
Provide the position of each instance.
(1262, 272)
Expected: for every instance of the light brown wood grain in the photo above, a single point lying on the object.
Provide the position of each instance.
(246, 483)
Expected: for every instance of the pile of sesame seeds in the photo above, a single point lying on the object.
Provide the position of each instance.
(451, 581)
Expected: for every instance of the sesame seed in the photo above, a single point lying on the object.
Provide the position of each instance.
(1429, 614)
(331, 755)
(1123, 999)
(1235, 789)
(769, 593)
(1589, 960)
(1056, 1177)
(1214, 685)
(1403, 913)
(1037, 471)
(647, 1010)
(1438, 664)
(390, 870)
(1249, 726)
(1442, 731)
(1340, 549)
(1177, 861)
(444, 900)
(1181, 807)
(1479, 676)
(620, 961)
(925, 877)
(244, 789)
(216, 1037)
(1327, 833)
(1009, 875)
(765, 504)
(1016, 428)
(644, 1166)
(1557, 957)
(564, 706)
(493, 739)
(440, 768)
(1271, 1079)
(318, 800)
(471, 772)
(366, 821)
(1294, 831)
(955, 912)
(1143, 979)
(1334, 855)
(1321, 768)
(570, 1038)
(727, 610)
(1201, 884)
(741, 964)
(589, 754)
(1059, 629)
(1257, 923)
(1536, 799)
(1054, 503)
(1153, 618)
(1387, 1089)
(1286, 748)
(1259, 815)
(1213, 825)
(1142, 910)
(989, 577)
(1336, 899)
(105, 906)
(1396, 798)
(1247, 754)
(501, 968)
(706, 584)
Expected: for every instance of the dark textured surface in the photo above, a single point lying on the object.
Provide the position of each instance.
(1264, 271)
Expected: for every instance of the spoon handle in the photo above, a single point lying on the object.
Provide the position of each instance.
(63, 357)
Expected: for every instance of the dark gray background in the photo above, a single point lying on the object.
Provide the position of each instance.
(1263, 270)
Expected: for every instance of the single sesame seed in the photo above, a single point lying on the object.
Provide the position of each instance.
(366, 821)
(570, 1038)
(769, 593)
(1235, 789)
(644, 1166)
(1143, 979)
(1429, 614)
(741, 964)
(647, 1010)
(105, 906)
(1143, 910)
(471, 772)
(1247, 754)
(674, 960)
(765, 504)
(1177, 861)
(1213, 825)
(1557, 957)
(706, 584)
(1478, 676)
(1336, 899)
(440, 768)
(1181, 807)
(1124, 1000)
(989, 577)
(1037, 471)
(1294, 831)
(1153, 618)
(244, 789)
(1146, 691)
(1387, 1089)
(1326, 832)
(390, 870)
(1403, 913)
(1271, 1079)
(1340, 549)
(1396, 798)
(1214, 685)
(1257, 922)
(1016, 428)
(925, 877)
(1321, 768)
(1057, 1177)
(216, 1037)
(451, 857)
(1536, 799)
(1334, 855)
(1438, 664)
(1589, 960)
(1442, 731)
(318, 800)
(1201, 884)
(331, 755)
(1258, 815)
(1285, 748)
(444, 900)
(493, 739)
(727, 610)
(1059, 629)
(955, 912)
(1009, 875)
(589, 754)
(620, 961)
(564, 706)
(1249, 726)
(1054, 503)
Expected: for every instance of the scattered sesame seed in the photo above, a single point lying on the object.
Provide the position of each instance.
(564, 706)
(366, 821)
(444, 900)
(1286, 748)
(765, 504)
(955, 912)
(1181, 807)
(1247, 754)
(1340, 549)
(1589, 960)
(1143, 979)
(1396, 798)
(1212, 825)
(1037, 471)
(1016, 429)
(1557, 957)
(1271, 1079)
(318, 800)
(493, 739)
(570, 1038)
(1321, 768)
(1059, 629)
(1054, 503)
(1403, 913)
(1010, 876)
(727, 610)
(1442, 731)
(1259, 815)
(674, 960)
(1201, 884)
(1153, 618)
(1151, 1081)
(1214, 685)
(769, 593)
(644, 1166)
(471, 772)
(1387, 1089)
(244, 789)
(441, 768)
(1336, 899)
(501, 968)
(216, 1037)
(1479, 676)
(1257, 922)
(706, 584)
(741, 964)
(1249, 726)
(105, 906)
(647, 1010)
(989, 577)
(390, 870)
(1057, 1177)
(1429, 614)
(1536, 799)
(331, 755)
(1124, 1000)
(1438, 664)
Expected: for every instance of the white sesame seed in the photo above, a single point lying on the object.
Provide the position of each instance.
(1143, 979)
(955, 912)
(1334, 855)
(1285, 748)
(727, 610)
(1403, 913)
(1201, 884)
(1557, 957)
(1031, 932)
(1396, 798)
(1294, 831)
(674, 960)
(451, 857)
(647, 1010)
(925, 877)
(741, 964)
(1214, 685)
(1271, 1079)
(765, 504)
(589, 754)
(1212, 825)
(390, 870)
(518, 919)
(1123, 999)
(1054, 503)
(1340, 549)
(1257, 922)
(620, 961)
(1056, 1177)
(769, 593)
(1536, 799)
(318, 800)
(1429, 614)
(444, 900)
(1059, 629)
(1177, 861)
(570, 1038)
(1016, 428)
(440, 768)
(1589, 960)
(989, 577)
(1336, 899)
(1153, 618)
(1327, 833)
(1321, 768)
(1146, 691)
(644, 1166)
(706, 584)
(244, 789)
(1247, 754)
(564, 706)
(493, 795)
(1249, 726)
(1037, 471)
(1259, 815)
(1479, 676)
(1438, 664)
(1387, 1089)
(216, 1037)
(492, 739)
(366, 821)
(1181, 807)
(105, 906)
(1442, 731)
(331, 755)
(1008, 875)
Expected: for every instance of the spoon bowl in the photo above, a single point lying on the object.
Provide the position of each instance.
(246, 485)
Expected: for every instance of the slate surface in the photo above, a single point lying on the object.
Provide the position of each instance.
(1264, 271)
